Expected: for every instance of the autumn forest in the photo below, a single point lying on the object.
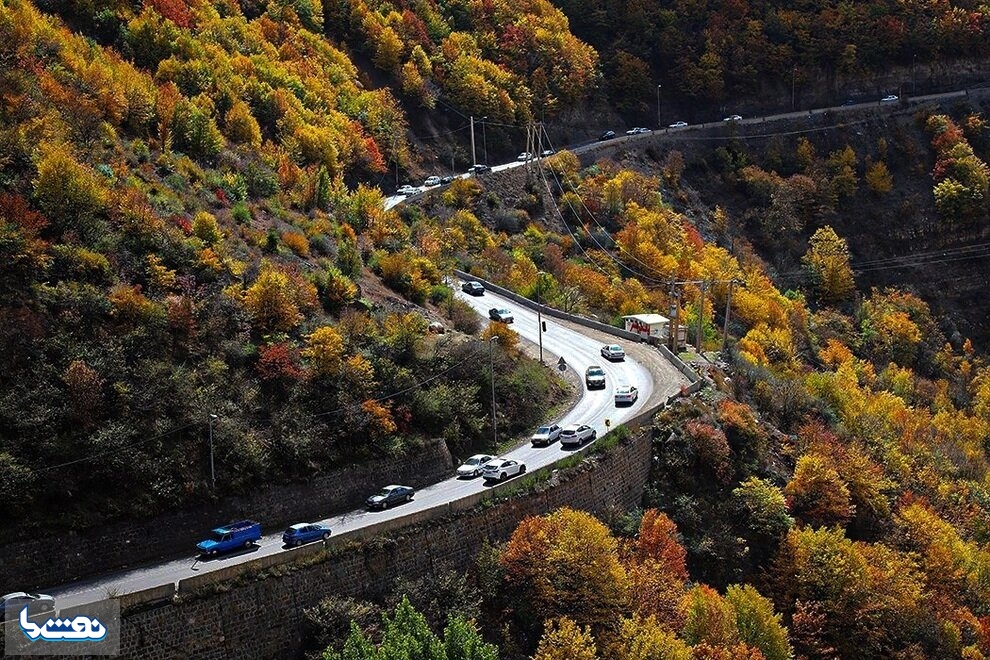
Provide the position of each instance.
(193, 223)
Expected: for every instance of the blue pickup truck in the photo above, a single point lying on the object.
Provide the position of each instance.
(230, 537)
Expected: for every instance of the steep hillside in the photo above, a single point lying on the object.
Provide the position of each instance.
(185, 236)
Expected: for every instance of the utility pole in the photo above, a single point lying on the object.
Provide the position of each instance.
(659, 113)
(474, 158)
(491, 362)
(213, 474)
(675, 329)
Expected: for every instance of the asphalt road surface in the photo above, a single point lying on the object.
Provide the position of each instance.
(580, 348)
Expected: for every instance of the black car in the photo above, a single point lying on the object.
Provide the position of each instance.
(479, 169)
(473, 288)
(607, 135)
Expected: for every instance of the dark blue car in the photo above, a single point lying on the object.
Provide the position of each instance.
(304, 533)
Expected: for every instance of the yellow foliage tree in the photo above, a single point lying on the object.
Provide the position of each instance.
(566, 564)
(827, 263)
(643, 638)
(241, 127)
(565, 640)
(325, 351)
(276, 300)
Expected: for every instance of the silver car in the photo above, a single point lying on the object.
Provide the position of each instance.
(546, 435)
(613, 352)
(472, 467)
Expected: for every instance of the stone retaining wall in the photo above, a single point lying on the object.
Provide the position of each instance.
(55, 557)
(263, 617)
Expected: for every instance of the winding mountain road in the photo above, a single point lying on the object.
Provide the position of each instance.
(580, 348)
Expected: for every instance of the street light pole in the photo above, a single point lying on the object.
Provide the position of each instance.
(659, 113)
(491, 362)
(484, 137)
(793, 74)
(914, 78)
(213, 474)
(539, 309)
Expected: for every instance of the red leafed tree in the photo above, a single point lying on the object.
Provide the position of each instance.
(174, 10)
(277, 363)
(658, 541)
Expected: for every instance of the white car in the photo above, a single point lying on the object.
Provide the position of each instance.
(500, 469)
(547, 152)
(890, 98)
(613, 352)
(407, 190)
(546, 435)
(678, 124)
(432, 181)
(575, 435)
(626, 394)
(472, 467)
(637, 131)
(733, 118)
(524, 156)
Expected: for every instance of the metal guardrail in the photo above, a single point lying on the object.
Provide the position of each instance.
(678, 363)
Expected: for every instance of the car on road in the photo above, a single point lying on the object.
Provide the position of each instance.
(304, 533)
(446, 179)
(607, 135)
(637, 131)
(236, 535)
(473, 288)
(575, 435)
(678, 124)
(626, 394)
(545, 435)
(500, 469)
(849, 102)
(479, 169)
(432, 181)
(890, 98)
(733, 118)
(390, 496)
(613, 352)
(524, 156)
(547, 152)
(37, 604)
(594, 377)
(500, 314)
(472, 467)
(406, 190)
